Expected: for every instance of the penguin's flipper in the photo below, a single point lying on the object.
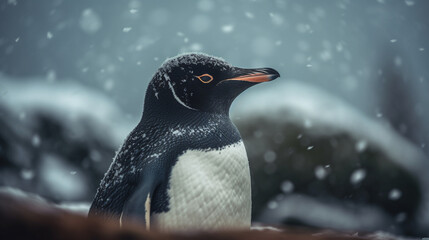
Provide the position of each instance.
(138, 205)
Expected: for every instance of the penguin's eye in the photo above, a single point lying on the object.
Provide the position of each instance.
(205, 78)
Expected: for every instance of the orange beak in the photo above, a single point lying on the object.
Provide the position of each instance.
(256, 75)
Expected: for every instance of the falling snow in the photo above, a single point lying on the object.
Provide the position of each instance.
(287, 186)
(227, 28)
(358, 176)
(126, 29)
(78, 68)
(395, 194)
(90, 22)
(320, 172)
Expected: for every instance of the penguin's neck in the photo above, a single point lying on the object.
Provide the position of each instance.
(161, 108)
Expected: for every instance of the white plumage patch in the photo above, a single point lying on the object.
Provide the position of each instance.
(174, 93)
(209, 190)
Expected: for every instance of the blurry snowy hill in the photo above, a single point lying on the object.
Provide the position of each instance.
(56, 139)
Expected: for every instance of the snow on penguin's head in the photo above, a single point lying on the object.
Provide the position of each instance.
(200, 82)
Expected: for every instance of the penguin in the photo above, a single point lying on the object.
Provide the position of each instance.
(184, 166)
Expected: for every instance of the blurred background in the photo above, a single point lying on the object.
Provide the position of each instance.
(340, 141)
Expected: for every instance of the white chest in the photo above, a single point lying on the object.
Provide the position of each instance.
(208, 190)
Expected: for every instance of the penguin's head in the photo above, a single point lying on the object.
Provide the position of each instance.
(200, 82)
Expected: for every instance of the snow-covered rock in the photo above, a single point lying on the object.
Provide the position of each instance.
(57, 138)
(294, 208)
(327, 150)
(76, 207)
